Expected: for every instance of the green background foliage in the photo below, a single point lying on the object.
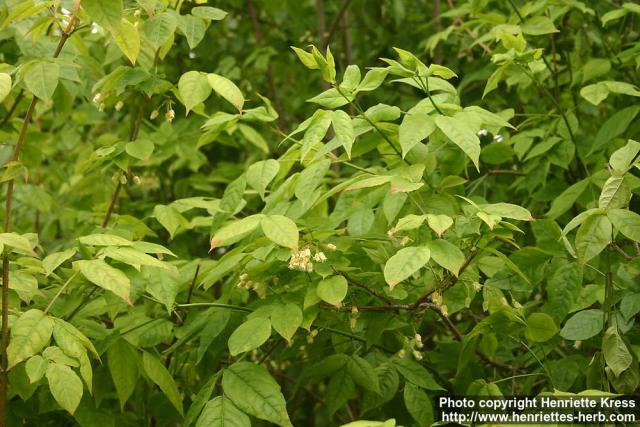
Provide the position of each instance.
(312, 213)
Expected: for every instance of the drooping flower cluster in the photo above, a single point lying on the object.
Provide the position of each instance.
(302, 259)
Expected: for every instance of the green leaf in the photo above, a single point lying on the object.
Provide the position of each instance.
(310, 179)
(351, 78)
(5, 85)
(363, 374)
(107, 13)
(344, 130)
(616, 125)
(613, 15)
(65, 385)
(41, 78)
(30, 333)
(306, 58)
(207, 12)
(133, 257)
(201, 399)
(567, 198)
(36, 367)
(221, 412)
(333, 290)
(372, 80)
(622, 159)
(102, 274)
(170, 218)
(409, 222)
(416, 374)
(286, 319)
(226, 89)
(249, 336)
(56, 259)
(194, 88)
(539, 25)
(540, 327)
(615, 193)
(318, 127)
(193, 28)
(128, 39)
(259, 175)
(254, 137)
(404, 263)
(461, 135)
(19, 243)
(507, 210)
(593, 236)
(414, 128)
(418, 404)
(374, 181)
(236, 231)
(615, 351)
(439, 223)
(160, 28)
(157, 373)
(626, 222)
(583, 325)
(123, 366)
(331, 98)
(447, 255)
(104, 240)
(280, 230)
(140, 149)
(255, 392)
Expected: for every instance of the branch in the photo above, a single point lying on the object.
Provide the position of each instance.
(334, 25)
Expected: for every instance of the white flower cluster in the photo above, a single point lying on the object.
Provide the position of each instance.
(436, 298)
(98, 99)
(301, 260)
(257, 287)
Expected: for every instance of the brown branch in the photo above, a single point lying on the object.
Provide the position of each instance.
(363, 286)
(7, 229)
(334, 26)
(260, 42)
(621, 251)
(135, 130)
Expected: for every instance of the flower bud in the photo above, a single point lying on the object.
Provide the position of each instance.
(153, 115)
(170, 115)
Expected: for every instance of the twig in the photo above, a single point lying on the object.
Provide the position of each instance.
(336, 22)
(7, 229)
(363, 286)
(621, 251)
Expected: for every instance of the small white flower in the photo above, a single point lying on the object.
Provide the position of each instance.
(119, 105)
(417, 355)
(154, 114)
(170, 115)
(498, 138)
(483, 132)
(320, 257)
(401, 354)
(331, 247)
(97, 98)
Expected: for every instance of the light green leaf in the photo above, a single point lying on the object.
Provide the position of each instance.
(414, 128)
(133, 257)
(409, 222)
(55, 260)
(249, 336)
(160, 28)
(280, 230)
(19, 243)
(194, 88)
(254, 137)
(404, 263)
(593, 236)
(583, 325)
(157, 373)
(36, 367)
(615, 193)
(5, 85)
(107, 13)
(613, 15)
(351, 78)
(65, 385)
(344, 130)
(439, 223)
(615, 351)
(207, 12)
(374, 181)
(622, 159)
(286, 319)
(372, 80)
(507, 210)
(333, 290)
(30, 333)
(41, 78)
(461, 135)
(626, 222)
(540, 327)
(170, 219)
(104, 240)
(255, 392)
(102, 274)
(236, 231)
(140, 149)
(539, 25)
(226, 89)
(310, 179)
(318, 127)
(567, 198)
(259, 175)
(123, 366)
(331, 98)
(447, 255)
(363, 374)
(221, 412)
(193, 28)
(128, 39)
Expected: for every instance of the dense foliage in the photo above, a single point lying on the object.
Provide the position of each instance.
(205, 227)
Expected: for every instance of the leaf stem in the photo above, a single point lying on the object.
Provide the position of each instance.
(55, 297)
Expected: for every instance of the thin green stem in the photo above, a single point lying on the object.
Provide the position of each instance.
(61, 290)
